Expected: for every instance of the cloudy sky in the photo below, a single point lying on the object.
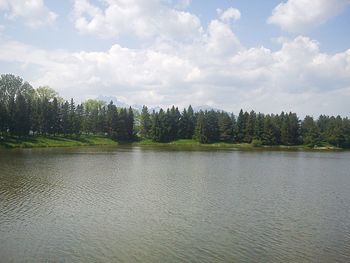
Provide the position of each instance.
(229, 54)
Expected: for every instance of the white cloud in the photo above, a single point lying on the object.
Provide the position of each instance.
(297, 77)
(222, 41)
(34, 13)
(301, 15)
(134, 17)
(214, 68)
(230, 14)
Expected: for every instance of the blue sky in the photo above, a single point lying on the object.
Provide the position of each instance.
(229, 54)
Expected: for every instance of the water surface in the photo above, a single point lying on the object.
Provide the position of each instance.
(134, 204)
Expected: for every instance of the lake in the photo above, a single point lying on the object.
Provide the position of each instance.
(146, 204)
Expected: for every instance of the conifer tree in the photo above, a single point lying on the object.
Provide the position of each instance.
(130, 125)
(3, 118)
(240, 126)
(159, 132)
(225, 127)
(201, 134)
(270, 130)
(65, 119)
(250, 126)
(145, 123)
(259, 126)
(102, 120)
(56, 121)
(71, 117)
(79, 116)
(121, 125)
(21, 116)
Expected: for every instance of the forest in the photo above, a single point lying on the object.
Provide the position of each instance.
(28, 111)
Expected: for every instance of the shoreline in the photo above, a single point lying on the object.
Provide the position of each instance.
(96, 141)
(55, 141)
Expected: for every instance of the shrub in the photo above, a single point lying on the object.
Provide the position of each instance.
(257, 143)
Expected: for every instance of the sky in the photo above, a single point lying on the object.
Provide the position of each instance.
(268, 56)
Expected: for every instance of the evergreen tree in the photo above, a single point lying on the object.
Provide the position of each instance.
(79, 117)
(284, 124)
(145, 123)
(294, 128)
(213, 126)
(234, 127)
(322, 124)
(12, 115)
(45, 116)
(250, 126)
(187, 124)
(112, 120)
(130, 125)
(159, 130)
(71, 118)
(21, 116)
(270, 136)
(3, 118)
(65, 118)
(207, 128)
(56, 121)
(346, 132)
(241, 126)
(102, 120)
(121, 125)
(36, 116)
(225, 127)
(173, 118)
(259, 126)
(200, 133)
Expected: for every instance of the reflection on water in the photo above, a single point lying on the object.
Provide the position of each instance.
(134, 204)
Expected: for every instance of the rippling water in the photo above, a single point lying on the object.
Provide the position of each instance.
(135, 204)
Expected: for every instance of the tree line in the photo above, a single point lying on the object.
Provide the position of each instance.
(248, 127)
(27, 111)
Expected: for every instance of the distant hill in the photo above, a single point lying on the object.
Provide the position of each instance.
(121, 104)
(204, 108)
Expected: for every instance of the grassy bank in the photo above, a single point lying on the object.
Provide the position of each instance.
(55, 141)
(193, 143)
(95, 140)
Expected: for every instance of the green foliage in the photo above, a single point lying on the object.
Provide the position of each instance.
(207, 128)
(46, 93)
(250, 126)
(257, 143)
(159, 129)
(187, 123)
(310, 131)
(225, 127)
(55, 141)
(240, 127)
(41, 112)
(259, 126)
(145, 123)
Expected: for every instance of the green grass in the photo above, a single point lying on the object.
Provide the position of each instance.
(182, 142)
(194, 143)
(96, 140)
(55, 141)
(244, 146)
